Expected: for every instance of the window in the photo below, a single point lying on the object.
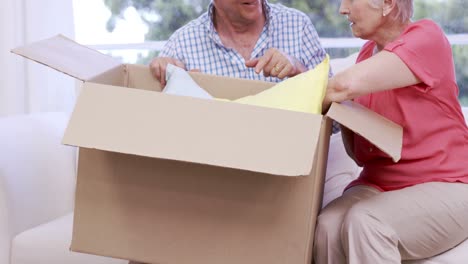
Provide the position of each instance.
(135, 30)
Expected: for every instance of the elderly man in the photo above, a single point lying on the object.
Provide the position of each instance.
(249, 39)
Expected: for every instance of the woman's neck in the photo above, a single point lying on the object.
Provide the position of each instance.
(390, 34)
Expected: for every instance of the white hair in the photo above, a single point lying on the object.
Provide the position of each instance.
(404, 8)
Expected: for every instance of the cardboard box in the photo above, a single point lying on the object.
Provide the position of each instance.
(173, 179)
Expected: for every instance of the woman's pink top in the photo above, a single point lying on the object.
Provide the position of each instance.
(435, 135)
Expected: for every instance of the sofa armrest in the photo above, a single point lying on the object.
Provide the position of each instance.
(37, 173)
(341, 170)
(4, 233)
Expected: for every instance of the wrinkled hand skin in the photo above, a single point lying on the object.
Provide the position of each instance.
(276, 63)
(158, 68)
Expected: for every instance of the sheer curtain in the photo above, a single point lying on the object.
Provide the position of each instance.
(25, 86)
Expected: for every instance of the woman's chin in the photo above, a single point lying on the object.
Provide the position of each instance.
(356, 33)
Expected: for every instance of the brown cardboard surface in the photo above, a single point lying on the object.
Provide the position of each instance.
(69, 57)
(194, 130)
(319, 173)
(383, 133)
(159, 211)
(116, 76)
(231, 88)
(139, 77)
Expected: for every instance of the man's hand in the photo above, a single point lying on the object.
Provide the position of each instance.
(276, 63)
(158, 68)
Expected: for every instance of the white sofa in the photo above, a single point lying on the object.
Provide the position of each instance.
(37, 182)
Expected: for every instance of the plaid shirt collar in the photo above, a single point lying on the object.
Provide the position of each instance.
(214, 34)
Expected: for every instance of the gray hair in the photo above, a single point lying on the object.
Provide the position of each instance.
(404, 8)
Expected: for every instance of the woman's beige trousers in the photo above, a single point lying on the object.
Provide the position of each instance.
(366, 226)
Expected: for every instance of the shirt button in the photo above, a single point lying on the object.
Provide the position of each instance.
(371, 149)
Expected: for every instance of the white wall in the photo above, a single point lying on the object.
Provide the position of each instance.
(25, 86)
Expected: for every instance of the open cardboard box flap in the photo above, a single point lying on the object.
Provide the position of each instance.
(67, 56)
(383, 133)
(224, 134)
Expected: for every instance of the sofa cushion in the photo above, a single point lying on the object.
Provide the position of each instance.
(340, 64)
(49, 243)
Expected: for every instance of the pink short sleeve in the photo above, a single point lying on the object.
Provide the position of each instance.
(423, 48)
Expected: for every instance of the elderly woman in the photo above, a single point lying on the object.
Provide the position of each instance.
(418, 207)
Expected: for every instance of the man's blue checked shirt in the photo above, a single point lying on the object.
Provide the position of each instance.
(199, 46)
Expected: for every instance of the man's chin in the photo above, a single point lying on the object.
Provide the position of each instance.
(251, 17)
